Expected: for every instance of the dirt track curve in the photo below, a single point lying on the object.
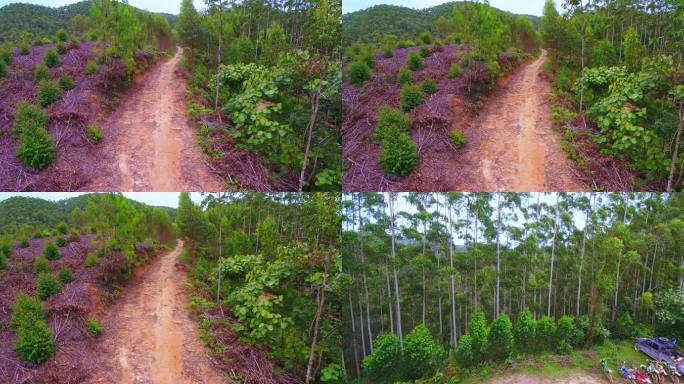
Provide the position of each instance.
(149, 145)
(149, 337)
(515, 147)
(534, 379)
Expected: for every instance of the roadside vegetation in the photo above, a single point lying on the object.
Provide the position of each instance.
(264, 82)
(617, 70)
(448, 288)
(407, 90)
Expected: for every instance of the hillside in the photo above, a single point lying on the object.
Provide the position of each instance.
(19, 19)
(371, 24)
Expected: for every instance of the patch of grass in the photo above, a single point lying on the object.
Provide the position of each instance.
(94, 133)
(66, 82)
(65, 275)
(41, 73)
(94, 327)
(91, 261)
(90, 68)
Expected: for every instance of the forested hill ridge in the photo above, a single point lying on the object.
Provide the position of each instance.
(18, 20)
(18, 211)
(371, 24)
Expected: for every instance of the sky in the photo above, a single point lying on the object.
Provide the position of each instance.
(528, 7)
(163, 199)
(165, 6)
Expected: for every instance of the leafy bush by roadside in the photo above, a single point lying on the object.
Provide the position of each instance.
(26, 309)
(390, 122)
(94, 133)
(457, 138)
(94, 327)
(37, 149)
(34, 342)
(399, 155)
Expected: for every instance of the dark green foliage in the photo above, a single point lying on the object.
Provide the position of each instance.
(390, 122)
(66, 82)
(425, 52)
(61, 241)
(34, 342)
(94, 133)
(61, 48)
(3, 261)
(388, 52)
(368, 57)
(457, 138)
(454, 71)
(48, 93)
(51, 58)
(41, 73)
(94, 327)
(37, 149)
(479, 334)
(65, 275)
(358, 72)
(422, 353)
(28, 118)
(524, 333)
(24, 49)
(6, 56)
(3, 69)
(62, 35)
(25, 310)
(24, 243)
(464, 351)
(624, 327)
(429, 86)
(669, 307)
(40, 265)
(425, 37)
(51, 251)
(545, 334)
(563, 348)
(47, 286)
(385, 362)
(405, 76)
(414, 61)
(399, 155)
(91, 260)
(411, 97)
(500, 339)
(62, 228)
(90, 68)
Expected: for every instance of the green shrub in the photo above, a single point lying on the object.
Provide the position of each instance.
(422, 353)
(24, 243)
(414, 61)
(47, 285)
(6, 56)
(93, 327)
(51, 251)
(425, 37)
(563, 348)
(40, 265)
(61, 241)
(61, 48)
(41, 73)
(464, 351)
(524, 333)
(369, 58)
(454, 71)
(3, 69)
(48, 93)
(411, 97)
(62, 228)
(500, 339)
(429, 86)
(91, 260)
(26, 309)
(565, 330)
(90, 67)
(457, 138)
(399, 155)
(61, 35)
(24, 49)
(546, 334)
(425, 52)
(3, 261)
(390, 122)
(388, 52)
(34, 342)
(624, 327)
(405, 76)
(358, 72)
(74, 42)
(66, 82)
(37, 149)
(94, 133)
(65, 275)
(51, 58)
(28, 117)
(384, 362)
(479, 334)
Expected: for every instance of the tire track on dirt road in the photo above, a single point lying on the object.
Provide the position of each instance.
(513, 146)
(149, 337)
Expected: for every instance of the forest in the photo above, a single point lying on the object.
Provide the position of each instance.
(265, 83)
(412, 79)
(617, 75)
(442, 286)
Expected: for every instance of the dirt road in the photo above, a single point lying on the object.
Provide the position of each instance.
(149, 145)
(530, 379)
(149, 337)
(512, 144)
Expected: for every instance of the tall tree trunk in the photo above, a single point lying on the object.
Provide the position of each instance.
(316, 102)
(316, 329)
(498, 253)
(553, 253)
(452, 292)
(675, 148)
(353, 324)
(394, 267)
(584, 241)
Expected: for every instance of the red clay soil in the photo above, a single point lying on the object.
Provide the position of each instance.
(149, 144)
(540, 379)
